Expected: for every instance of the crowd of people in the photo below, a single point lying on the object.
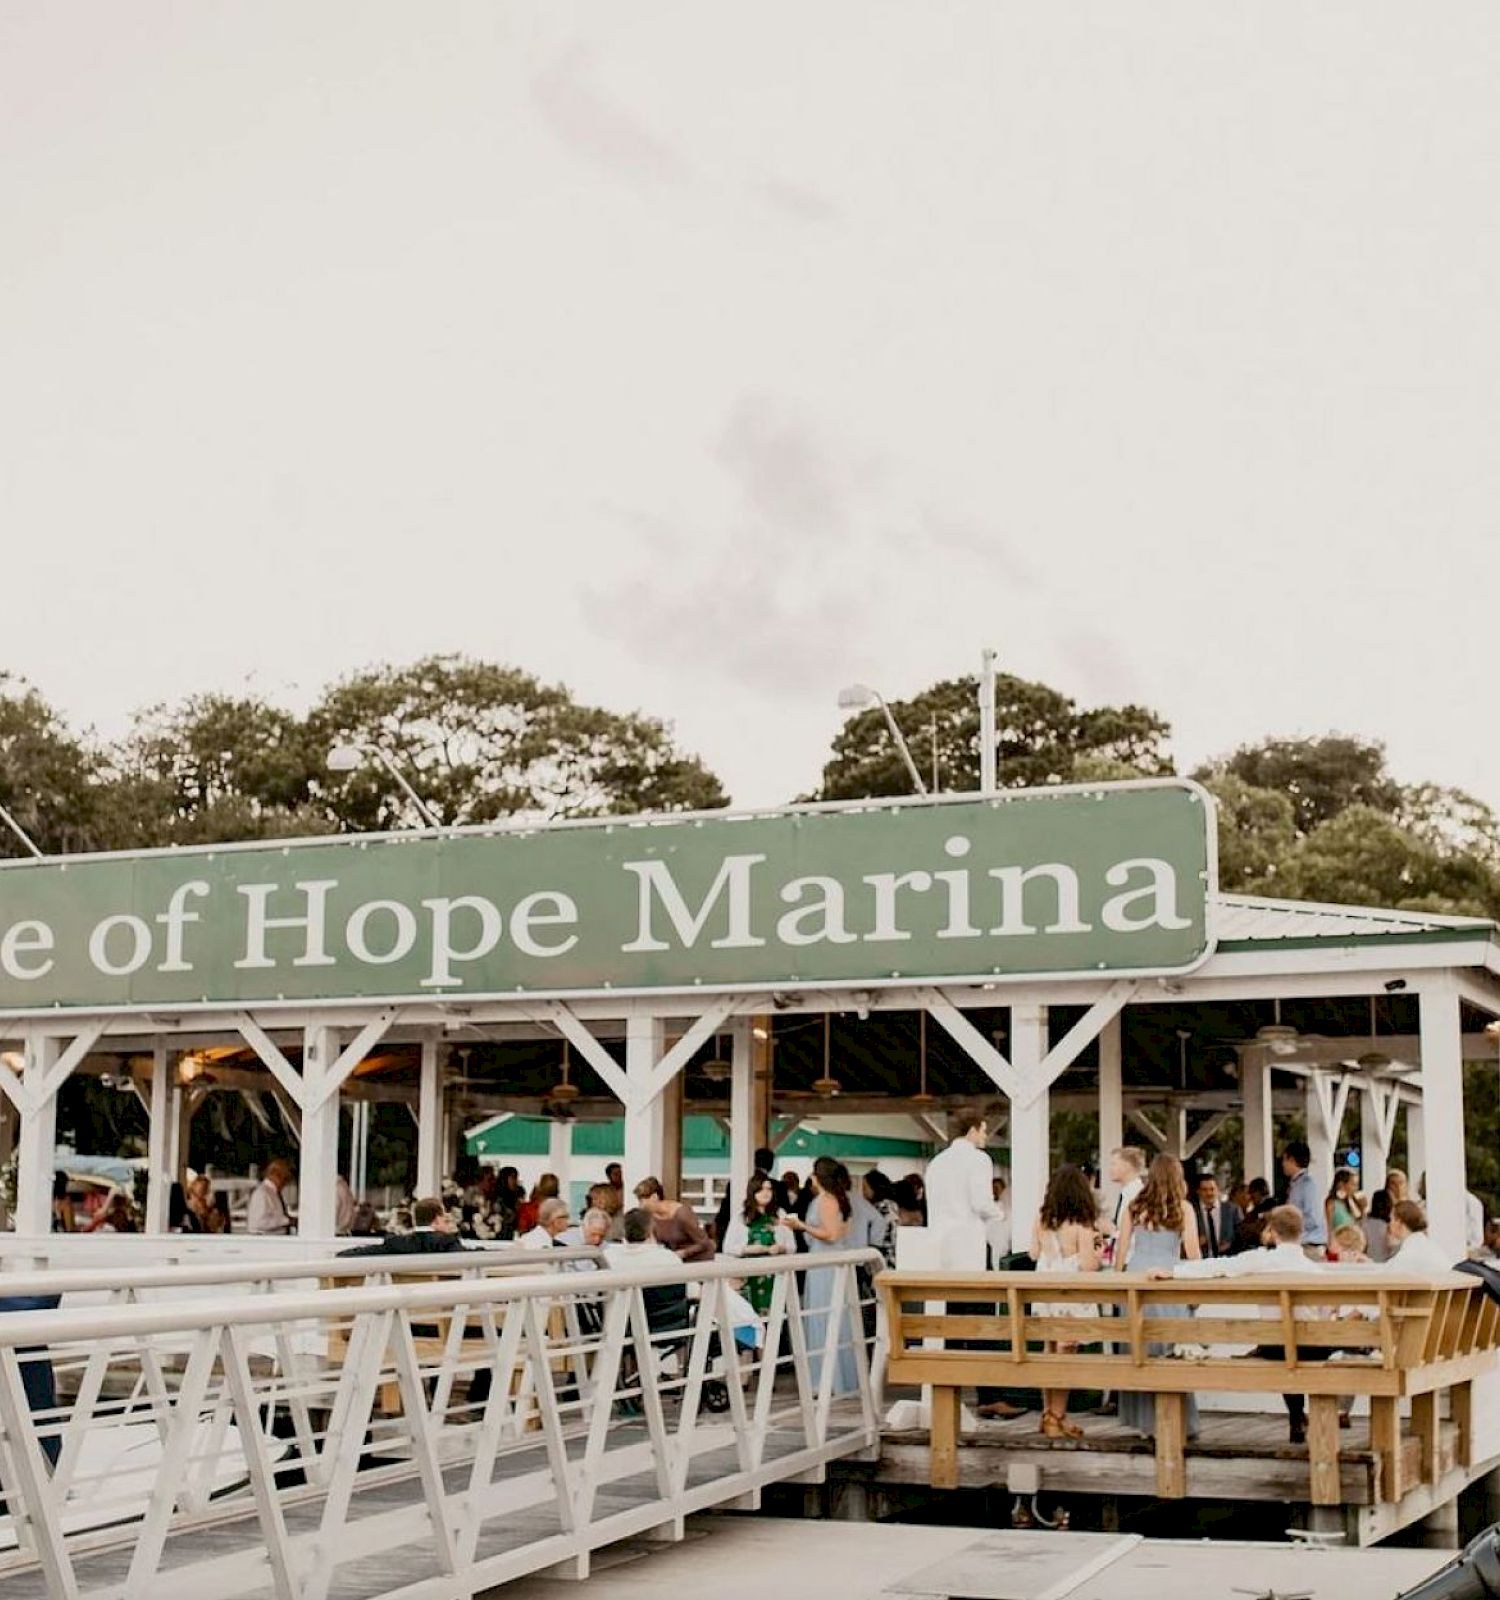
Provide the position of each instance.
(1159, 1220)
(1167, 1226)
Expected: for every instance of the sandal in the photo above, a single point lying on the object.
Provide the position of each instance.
(1056, 1427)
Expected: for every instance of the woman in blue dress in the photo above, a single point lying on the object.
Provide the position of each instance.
(1157, 1231)
(826, 1227)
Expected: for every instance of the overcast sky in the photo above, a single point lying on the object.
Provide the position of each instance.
(708, 357)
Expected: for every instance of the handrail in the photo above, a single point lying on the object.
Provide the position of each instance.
(616, 1413)
(79, 1280)
(21, 1328)
(1399, 1337)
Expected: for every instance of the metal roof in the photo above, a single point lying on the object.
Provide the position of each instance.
(1250, 920)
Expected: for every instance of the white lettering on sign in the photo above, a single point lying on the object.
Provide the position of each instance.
(529, 914)
(356, 931)
(1161, 892)
(821, 921)
(656, 884)
(444, 951)
(174, 919)
(885, 885)
(314, 921)
(23, 940)
(1013, 881)
(139, 932)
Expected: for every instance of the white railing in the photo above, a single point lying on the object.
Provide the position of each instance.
(421, 1437)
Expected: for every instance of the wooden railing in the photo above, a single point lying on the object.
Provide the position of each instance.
(1397, 1339)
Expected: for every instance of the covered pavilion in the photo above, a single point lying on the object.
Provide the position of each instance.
(1067, 971)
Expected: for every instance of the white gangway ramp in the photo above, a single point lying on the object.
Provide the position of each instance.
(418, 1434)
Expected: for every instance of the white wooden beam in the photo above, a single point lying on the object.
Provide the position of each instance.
(14, 1089)
(1200, 1137)
(1443, 1114)
(698, 1033)
(1030, 1122)
(61, 1069)
(270, 1053)
(160, 1177)
(1066, 1051)
(741, 1108)
(974, 1044)
(589, 1047)
(1139, 1119)
(336, 1074)
(645, 1126)
(780, 1137)
(36, 1150)
(429, 1115)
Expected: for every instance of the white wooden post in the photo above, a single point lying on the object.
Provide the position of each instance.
(645, 1129)
(741, 1109)
(430, 1122)
(560, 1154)
(1111, 1106)
(37, 1146)
(1443, 1103)
(8, 1118)
(1319, 1136)
(1416, 1143)
(1373, 1154)
(160, 1175)
(1030, 1122)
(1255, 1081)
(319, 1155)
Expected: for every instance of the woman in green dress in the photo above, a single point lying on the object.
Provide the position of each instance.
(759, 1231)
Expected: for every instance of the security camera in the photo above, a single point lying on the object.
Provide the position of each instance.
(1395, 985)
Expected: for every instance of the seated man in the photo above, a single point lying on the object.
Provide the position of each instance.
(433, 1232)
(1283, 1236)
(1413, 1249)
(552, 1222)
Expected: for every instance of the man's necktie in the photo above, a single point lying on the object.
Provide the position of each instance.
(1213, 1237)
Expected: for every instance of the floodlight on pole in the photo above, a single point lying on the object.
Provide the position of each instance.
(350, 757)
(859, 696)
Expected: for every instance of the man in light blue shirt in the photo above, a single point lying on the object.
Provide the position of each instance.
(1302, 1192)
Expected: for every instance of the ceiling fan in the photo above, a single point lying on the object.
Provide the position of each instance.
(1279, 1037)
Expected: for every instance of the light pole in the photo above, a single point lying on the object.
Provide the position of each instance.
(20, 832)
(988, 775)
(857, 697)
(349, 757)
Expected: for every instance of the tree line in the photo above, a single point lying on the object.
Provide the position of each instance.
(1306, 818)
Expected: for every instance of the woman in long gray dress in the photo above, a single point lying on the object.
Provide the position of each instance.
(826, 1228)
(1157, 1231)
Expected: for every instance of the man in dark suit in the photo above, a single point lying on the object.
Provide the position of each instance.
(434, 1232)
(1218, 1220)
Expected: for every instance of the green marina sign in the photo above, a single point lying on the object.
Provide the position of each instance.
(1113, 879)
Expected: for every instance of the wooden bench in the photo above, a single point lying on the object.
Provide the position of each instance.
(1401, 1339)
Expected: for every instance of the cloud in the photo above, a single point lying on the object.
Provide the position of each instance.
(787, 472)
(796, 201)
(599, 128)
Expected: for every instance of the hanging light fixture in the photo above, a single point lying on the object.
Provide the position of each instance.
(1373, 1060)
(717, 1069)
(567, 1091)
(827, 1086)
(1278, 1037)
(921, 1097)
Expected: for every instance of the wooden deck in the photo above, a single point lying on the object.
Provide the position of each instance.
(1236, 1457)
(634, 1503)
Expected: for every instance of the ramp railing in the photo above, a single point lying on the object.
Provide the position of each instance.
(414, 1437)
